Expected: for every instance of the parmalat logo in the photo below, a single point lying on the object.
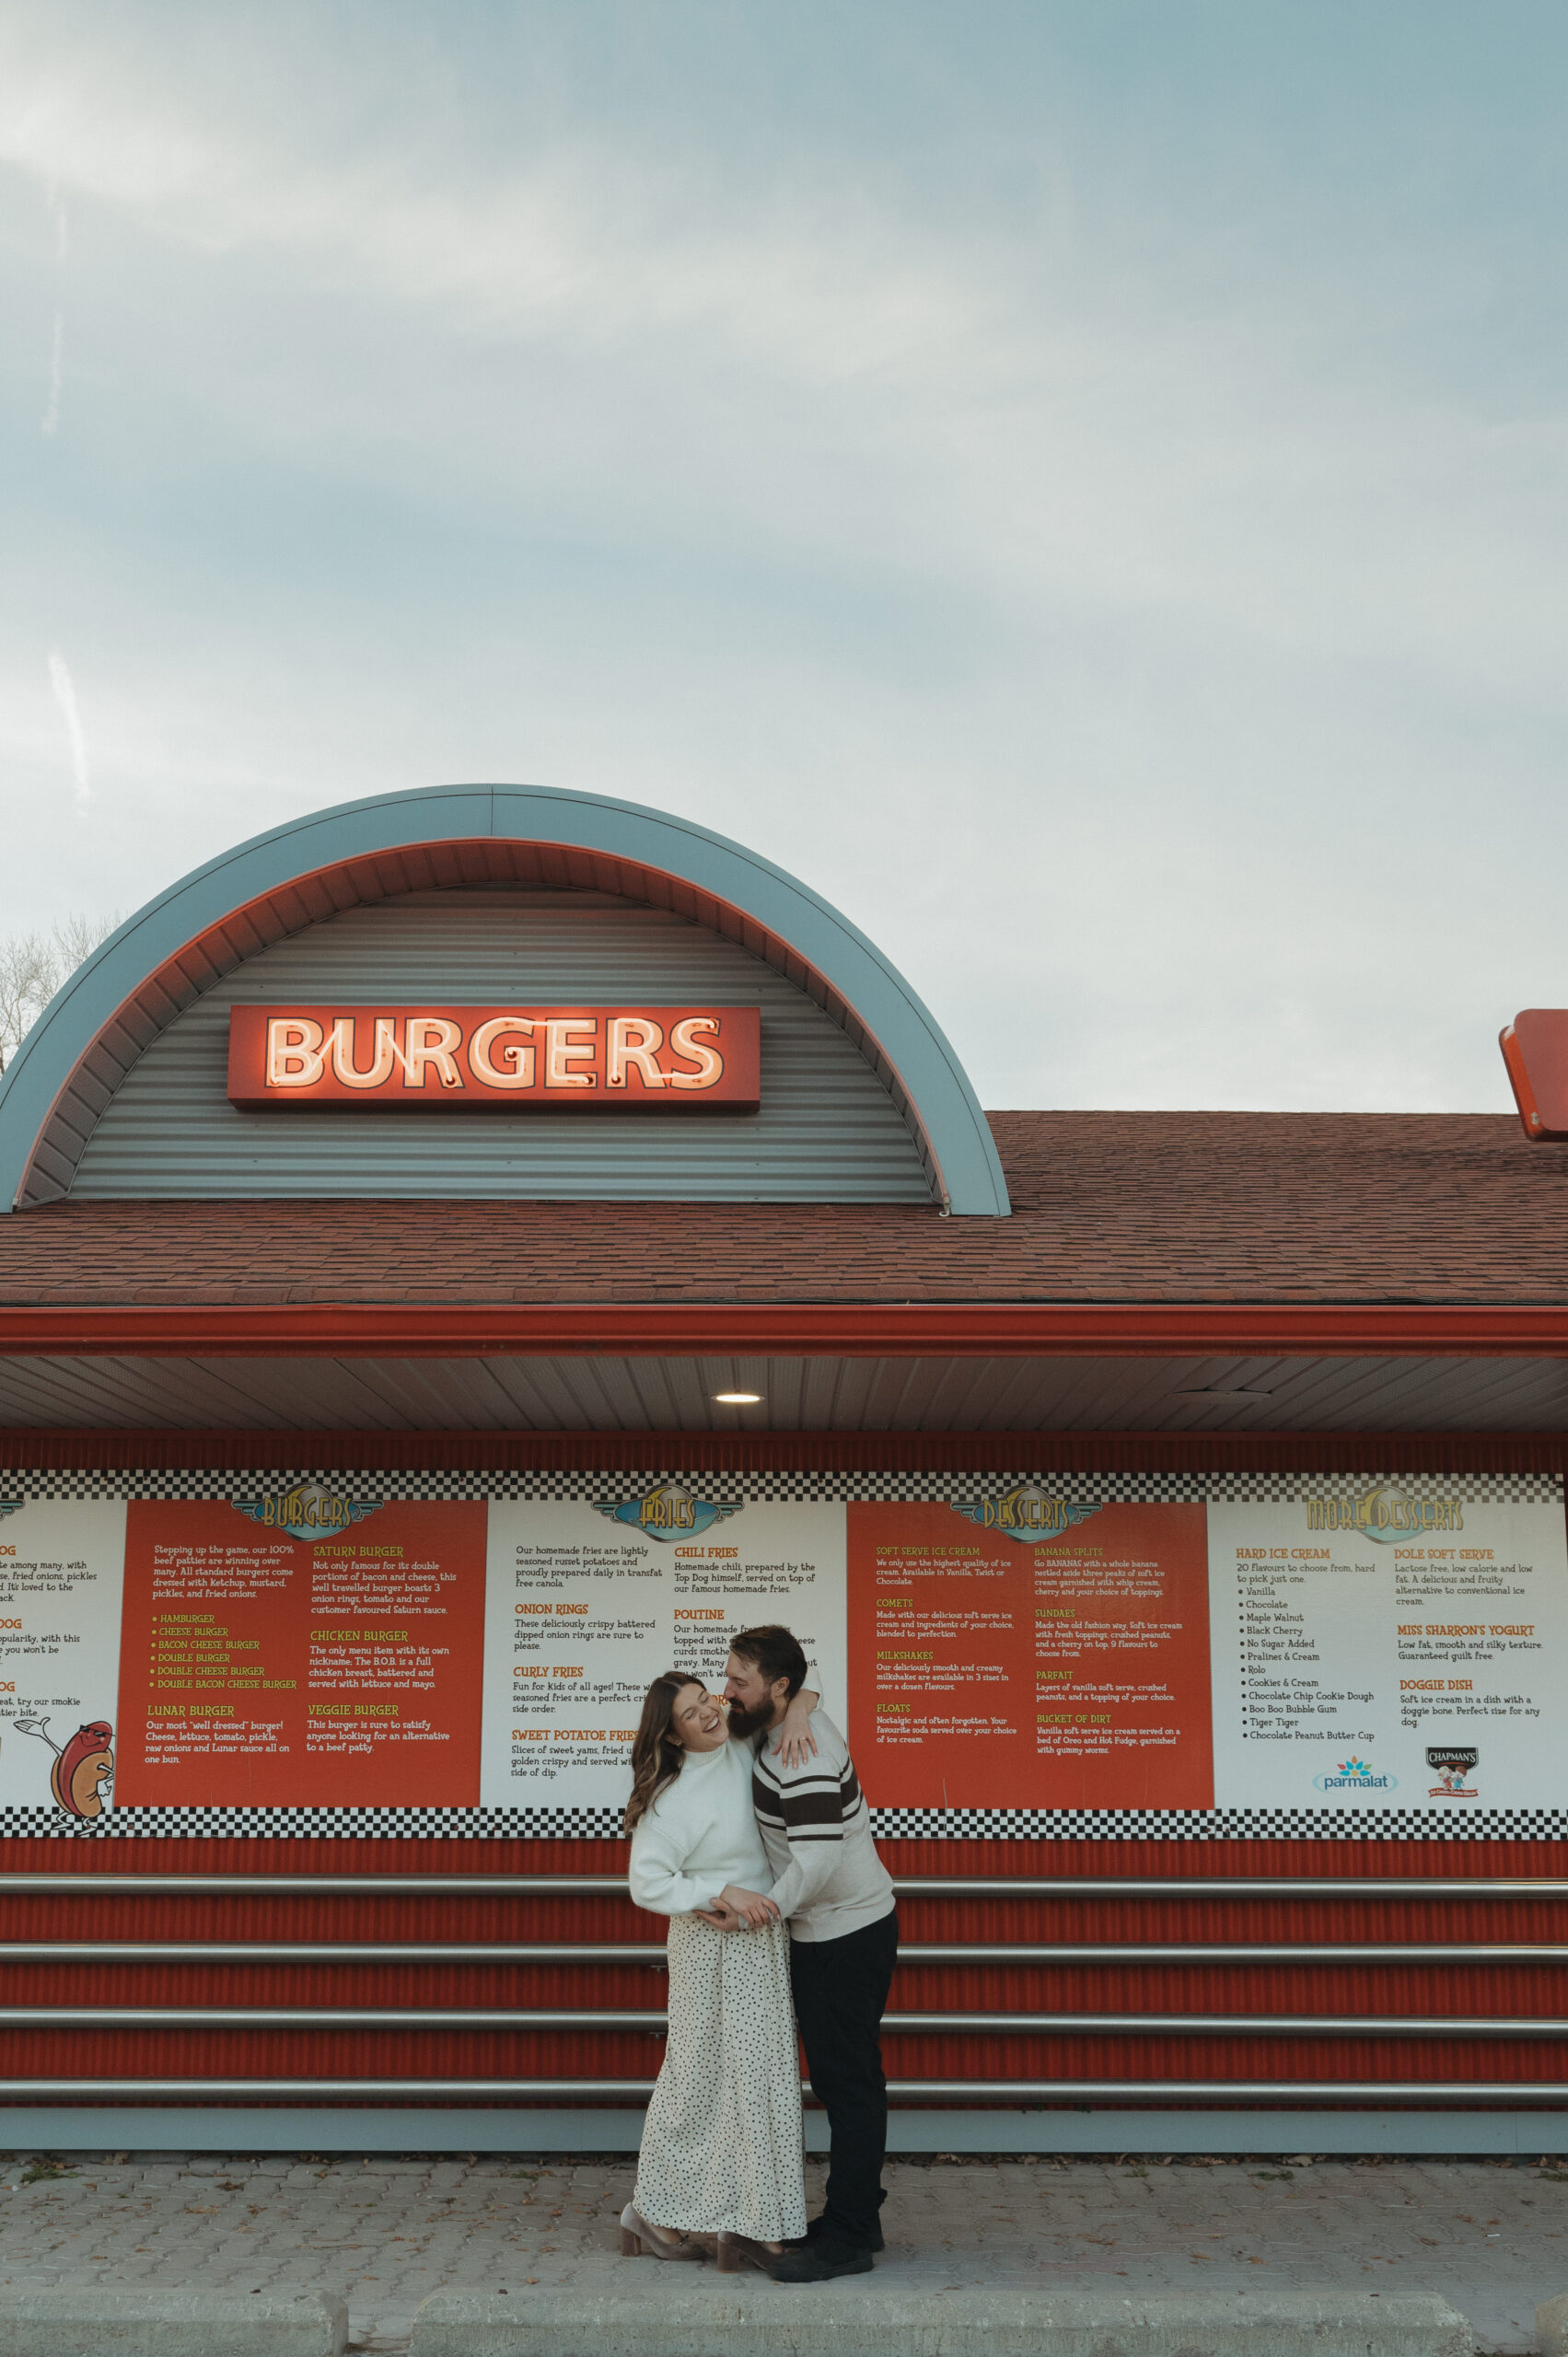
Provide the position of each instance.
(1354, 1775)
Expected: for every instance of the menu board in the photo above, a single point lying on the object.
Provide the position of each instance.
(1005, 1657)
(1385, 1665)
(1029, 1668)
(260, 1668)
(587, 1609)
(60, 1578)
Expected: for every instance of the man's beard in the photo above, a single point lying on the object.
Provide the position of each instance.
(743, 1721)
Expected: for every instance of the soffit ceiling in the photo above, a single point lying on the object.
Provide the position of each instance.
(615, 1393)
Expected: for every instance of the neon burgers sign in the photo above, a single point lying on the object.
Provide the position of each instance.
(496, 1058)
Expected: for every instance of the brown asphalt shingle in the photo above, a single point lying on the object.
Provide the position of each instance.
(1107, 1207)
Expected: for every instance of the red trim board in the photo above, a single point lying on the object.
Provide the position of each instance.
(1049, 1329)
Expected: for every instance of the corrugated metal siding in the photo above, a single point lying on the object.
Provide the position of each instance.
(828, 1131)
(1306, 1991)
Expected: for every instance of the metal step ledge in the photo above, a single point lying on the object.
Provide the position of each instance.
(1011, 2093)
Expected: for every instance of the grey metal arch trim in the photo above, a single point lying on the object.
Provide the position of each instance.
(159, 960)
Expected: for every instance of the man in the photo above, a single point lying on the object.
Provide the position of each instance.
(837, 1898)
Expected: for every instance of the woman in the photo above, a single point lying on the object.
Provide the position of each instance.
(721, 2151)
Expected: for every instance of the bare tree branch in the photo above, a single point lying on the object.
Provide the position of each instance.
(32, 968)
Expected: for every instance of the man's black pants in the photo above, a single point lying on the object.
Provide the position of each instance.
(841, 1989)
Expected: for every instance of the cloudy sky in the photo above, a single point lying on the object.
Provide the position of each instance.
(1079, 481)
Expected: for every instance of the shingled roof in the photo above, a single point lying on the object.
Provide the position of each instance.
(1107, 1207)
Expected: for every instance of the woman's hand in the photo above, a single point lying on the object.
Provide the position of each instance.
(753, 1910)
(797, 1743)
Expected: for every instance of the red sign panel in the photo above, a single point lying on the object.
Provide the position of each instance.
(1535, 1048)
(496, 1058)
(987, 1672)
(262, 1667)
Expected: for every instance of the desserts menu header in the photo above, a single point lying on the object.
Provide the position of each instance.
(1011, 1648)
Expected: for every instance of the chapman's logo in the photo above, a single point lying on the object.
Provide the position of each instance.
(309, 1510)
(1386, 1514)
(1452, 1763)
(668, 1512)
(1354, 1775)
(1027, 1514)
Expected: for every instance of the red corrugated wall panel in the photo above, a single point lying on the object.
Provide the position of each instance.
(1299, 1987)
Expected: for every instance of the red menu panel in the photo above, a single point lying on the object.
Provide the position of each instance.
(258, 1670)
(986, 1672)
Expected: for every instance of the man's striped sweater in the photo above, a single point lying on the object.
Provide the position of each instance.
(816, 1832)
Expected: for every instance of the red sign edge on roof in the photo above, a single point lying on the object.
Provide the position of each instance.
(1535, 1052)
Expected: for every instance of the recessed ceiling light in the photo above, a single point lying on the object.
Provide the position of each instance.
(738, 1398)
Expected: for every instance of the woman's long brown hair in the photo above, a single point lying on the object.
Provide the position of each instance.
(657, 1752)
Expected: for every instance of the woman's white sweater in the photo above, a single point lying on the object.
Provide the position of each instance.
(699, 1834)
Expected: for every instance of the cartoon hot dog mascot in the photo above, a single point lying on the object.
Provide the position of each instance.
(75, 1777)
(81, 1769)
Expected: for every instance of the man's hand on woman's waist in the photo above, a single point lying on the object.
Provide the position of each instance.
(737, 1910)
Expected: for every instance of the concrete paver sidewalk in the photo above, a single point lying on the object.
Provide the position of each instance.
(1491, 2237)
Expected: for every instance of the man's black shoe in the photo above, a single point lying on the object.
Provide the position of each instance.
(820, 2261)
(817, 2227)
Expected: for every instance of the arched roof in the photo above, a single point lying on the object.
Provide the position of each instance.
(201, 927)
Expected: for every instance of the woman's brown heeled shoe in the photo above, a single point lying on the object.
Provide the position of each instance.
(736, 2251)
(637, 2237)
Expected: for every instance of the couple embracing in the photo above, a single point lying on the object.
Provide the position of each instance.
(749, 1832)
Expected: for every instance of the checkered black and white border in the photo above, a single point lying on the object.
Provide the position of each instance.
(316, 1825)
(726, 1488)
(764, 1487)
(1219, 1825)
(1477, 1488)
(887, 1824)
